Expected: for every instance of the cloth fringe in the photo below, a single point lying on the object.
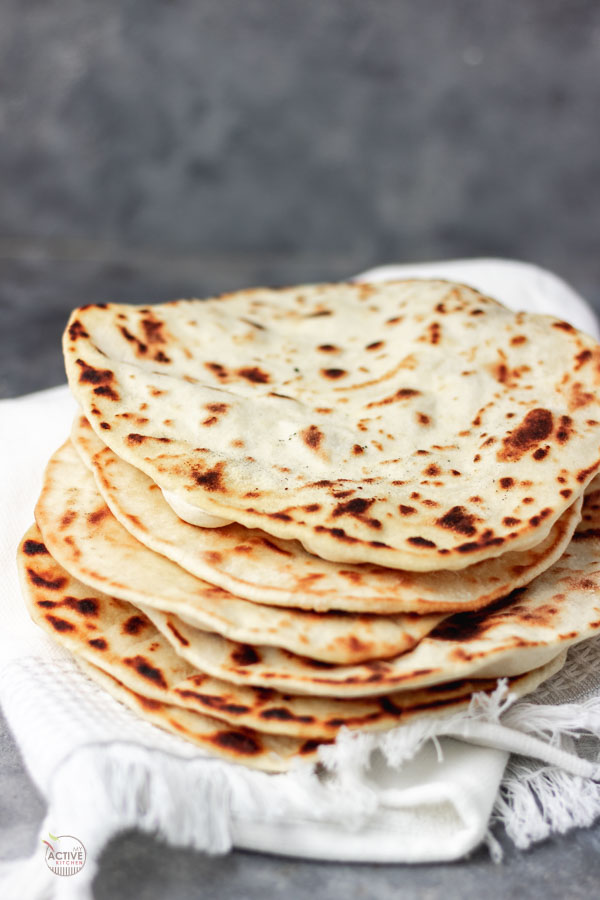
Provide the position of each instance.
(125, 788)
(122, 790)
(101, 790)
(555, 722)
(488, 722)
(533, 805)
(351, 753)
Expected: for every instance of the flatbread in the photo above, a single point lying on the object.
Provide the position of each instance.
(442, 702)
(265, 752)
(86, 539)
(518, 634)
(121, 641)
(417, 425)
(266, 569)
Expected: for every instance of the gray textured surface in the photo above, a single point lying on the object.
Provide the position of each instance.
(155, 150)
(381, 129)
(230, 142)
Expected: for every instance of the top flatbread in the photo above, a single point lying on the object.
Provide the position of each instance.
(416, 424)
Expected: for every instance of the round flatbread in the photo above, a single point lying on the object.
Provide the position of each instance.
(85, 538)
(266, 752)
(517, 634)
(120, 640)
(266, 569)
(417, 425)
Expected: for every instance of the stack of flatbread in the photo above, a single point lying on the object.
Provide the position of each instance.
(285, 512)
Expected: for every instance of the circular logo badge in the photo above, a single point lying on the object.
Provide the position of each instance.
(65, 854)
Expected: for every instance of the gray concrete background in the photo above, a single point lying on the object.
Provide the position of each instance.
(152, 150)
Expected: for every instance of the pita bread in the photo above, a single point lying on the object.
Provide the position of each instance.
(417, 425)
(120, 640)
(267, 752)
(515, 635)
(86, 539)
(261, 568)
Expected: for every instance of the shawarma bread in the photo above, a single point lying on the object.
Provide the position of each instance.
(522, 632)
(266, 569)
(417, 425)
(266, 752)
(120, 640)
(85, 538)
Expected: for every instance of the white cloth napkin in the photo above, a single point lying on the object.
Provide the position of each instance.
(424, 792)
